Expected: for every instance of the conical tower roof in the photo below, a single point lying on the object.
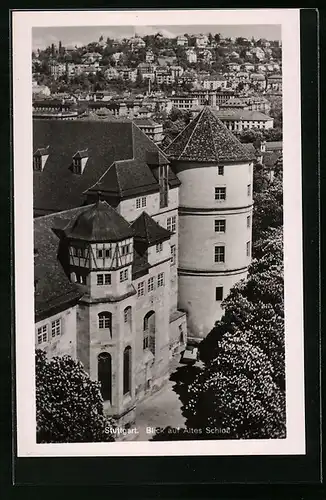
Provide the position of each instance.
(206, 139)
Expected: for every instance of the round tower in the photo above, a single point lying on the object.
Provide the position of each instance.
(215, 217)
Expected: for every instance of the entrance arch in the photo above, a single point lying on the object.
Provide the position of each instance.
(104, 375)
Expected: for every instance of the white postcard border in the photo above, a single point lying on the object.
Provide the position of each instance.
(23, 21)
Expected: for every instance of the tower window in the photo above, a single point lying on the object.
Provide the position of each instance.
(173, 255)
(104, 370)
(141, 289)
(104, 279)
(150, 284)
(220, 170)
(141, 202)
(220, 253)
(171, 224)
(127, 370)
(220, 193)
(125, 249)
(249, 190)
(56, 327)
(220, 226)
(127, 315)
(160, 279)
(124, 275)
(159, 247)
(248, 248)
(42, 334)
(105, 320)
(219, 293)
(248, 221)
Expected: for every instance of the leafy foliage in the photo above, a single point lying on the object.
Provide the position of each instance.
(69, 405)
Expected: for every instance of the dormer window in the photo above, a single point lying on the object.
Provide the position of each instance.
(39, 159)
(79, 161)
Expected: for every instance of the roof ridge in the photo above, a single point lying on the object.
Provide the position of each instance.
(192, 133)
(210, 126)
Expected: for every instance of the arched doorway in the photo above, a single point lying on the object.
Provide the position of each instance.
(127, 370)
(104, 375)
(149, 332)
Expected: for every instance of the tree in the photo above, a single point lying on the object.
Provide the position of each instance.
(236, 391)
(268, 209)
(69, 405)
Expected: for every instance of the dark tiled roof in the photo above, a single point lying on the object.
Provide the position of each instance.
(54, 288)
(57, 188)
(100, 222)
(148, 230)
(156, 158)
(126, 178)
(206, 139)
(241, 114)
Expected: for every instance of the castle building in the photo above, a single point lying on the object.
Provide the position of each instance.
(106, 256)
(215, 216)
(135, 248)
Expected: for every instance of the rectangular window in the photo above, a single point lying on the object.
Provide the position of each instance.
(171, 223)
(219, 293)
(248, 248)
(107, 279)
(56, 327)
(108, 253)
(150, 284)
(138, 202)
(159, 247)
(173, 255)
(42, 334)
(220, 253)
(220, 193)
(99, 253)
(125, 249)
(124, 275)
(100, 279)
(141, 289)
(143, 201)
(220, 226)
(220, 170)
(160, 279)
(37, 163)
(248, 221)
(249, 190)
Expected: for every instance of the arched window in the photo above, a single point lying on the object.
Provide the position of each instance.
(104, 375)
(127, 370)
(149, 332)
(105, 320)
(127, 315)
(182, 336)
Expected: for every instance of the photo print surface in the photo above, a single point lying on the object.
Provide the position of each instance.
(159, 226)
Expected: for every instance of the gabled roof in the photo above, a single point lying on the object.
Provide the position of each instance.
(148, 230)
(206, 139)
(57, 188)
(99, 222)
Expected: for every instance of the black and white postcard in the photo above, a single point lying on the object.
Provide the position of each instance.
(158, 233)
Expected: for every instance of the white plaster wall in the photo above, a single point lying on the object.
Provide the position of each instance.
(66, 342)
(199, 182)
(197, 298)
(198, 239)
